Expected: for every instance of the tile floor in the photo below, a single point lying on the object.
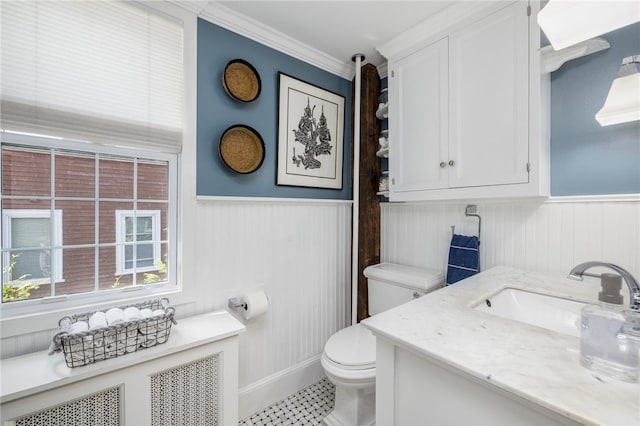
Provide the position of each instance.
(307, 407)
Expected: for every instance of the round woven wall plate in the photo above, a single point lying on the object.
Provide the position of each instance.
(241, 81)
(241, 149)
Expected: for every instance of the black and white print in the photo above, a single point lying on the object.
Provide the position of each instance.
(310, 135)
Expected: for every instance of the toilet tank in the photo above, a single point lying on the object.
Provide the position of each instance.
(391, 285)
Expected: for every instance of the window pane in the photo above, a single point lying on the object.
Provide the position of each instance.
(144, 256)
(107, 273)
(75, 175)
(79, 271)
(78, 221)
(9, 204)
(30, 232)
(108, 219)
(31, 265)
(26, 171)
(163, 208)
(116, 178)
(16, 286)
(159, 274)
(153, 178)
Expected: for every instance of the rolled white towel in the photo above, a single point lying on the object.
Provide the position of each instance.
(121, 348)
(110, 351)
(148, 340)
(148, 327)
(78, 359)
(158, 312)
(109, 337)
(132, 314)
(115, 316)
(78, 327)
(98, 320)
(162, 335)
(132, 331)
(98, 354)
(132, 343)
(146, 313)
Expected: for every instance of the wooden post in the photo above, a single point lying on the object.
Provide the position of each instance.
(370, 173)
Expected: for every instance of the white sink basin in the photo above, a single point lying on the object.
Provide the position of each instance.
(553, 313)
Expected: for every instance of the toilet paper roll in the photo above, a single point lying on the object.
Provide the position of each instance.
(256, 303)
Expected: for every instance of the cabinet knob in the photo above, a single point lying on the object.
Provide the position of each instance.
(443, 165)
(452, 163)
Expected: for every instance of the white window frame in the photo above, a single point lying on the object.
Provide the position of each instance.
(18, 319)
(56, 240)
(104, 297)
(121, 239)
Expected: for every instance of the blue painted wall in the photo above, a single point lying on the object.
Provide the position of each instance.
(587, 159)
(217, 111)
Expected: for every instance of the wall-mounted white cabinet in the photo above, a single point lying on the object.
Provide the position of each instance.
(465, 110)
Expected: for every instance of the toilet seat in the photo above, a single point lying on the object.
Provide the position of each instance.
(352, 348)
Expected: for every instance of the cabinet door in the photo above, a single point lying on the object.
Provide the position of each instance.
(489, 100)
(418, 127)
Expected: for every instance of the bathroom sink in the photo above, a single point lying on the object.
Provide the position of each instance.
(550, 312)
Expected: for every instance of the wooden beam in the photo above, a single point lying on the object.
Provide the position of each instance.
(370, 173)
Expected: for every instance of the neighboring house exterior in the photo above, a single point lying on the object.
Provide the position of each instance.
(70, 216)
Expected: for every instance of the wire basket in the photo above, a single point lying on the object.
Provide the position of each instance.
(94, 345)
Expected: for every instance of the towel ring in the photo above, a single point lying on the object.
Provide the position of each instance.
(470, 210)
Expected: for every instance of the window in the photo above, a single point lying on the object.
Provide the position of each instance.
(79, 222)
(94, 102)
(138, 239)
(31, 235)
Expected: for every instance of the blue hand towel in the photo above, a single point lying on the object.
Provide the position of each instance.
(464, 258)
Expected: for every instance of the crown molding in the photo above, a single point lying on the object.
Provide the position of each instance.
(456, 15)
(383, 70)
(194, 6)
(263, 34)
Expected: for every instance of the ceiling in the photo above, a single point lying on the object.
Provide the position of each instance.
(340, 29)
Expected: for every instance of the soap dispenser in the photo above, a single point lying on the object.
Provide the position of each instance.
(610, 334)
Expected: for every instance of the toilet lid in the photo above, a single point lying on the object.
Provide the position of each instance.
(353, 347)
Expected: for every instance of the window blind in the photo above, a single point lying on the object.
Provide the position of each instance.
(106, 72)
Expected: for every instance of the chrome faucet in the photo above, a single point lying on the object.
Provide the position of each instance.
(634, 288)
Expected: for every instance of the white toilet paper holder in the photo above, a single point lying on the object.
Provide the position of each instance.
(236, 303)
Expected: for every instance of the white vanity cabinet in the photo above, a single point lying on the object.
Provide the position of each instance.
(465, 110)
(416, 390)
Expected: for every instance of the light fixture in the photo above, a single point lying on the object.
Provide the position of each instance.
(566, 23)
(623, 101)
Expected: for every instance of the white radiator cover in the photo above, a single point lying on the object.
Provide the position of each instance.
(100, 409)
(187, 394)
(551, 236)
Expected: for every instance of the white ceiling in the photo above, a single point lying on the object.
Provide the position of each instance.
(340, 29)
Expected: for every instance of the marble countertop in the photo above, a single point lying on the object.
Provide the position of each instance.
(36, 372)
(534, 363)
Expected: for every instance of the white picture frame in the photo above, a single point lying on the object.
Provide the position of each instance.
(310, 135)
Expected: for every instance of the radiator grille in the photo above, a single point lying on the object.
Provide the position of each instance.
(100, 409)
(186, 395)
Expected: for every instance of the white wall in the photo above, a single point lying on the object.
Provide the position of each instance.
(298, 252)
(549, 237)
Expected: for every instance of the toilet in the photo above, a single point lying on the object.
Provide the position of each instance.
(349, 358)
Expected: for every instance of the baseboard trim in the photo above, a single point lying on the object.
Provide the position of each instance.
(259, 395)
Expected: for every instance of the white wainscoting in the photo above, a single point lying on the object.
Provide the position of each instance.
(550, 236)
(299, 252)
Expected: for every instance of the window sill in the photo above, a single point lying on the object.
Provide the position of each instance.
(25, 323)
(49, 372)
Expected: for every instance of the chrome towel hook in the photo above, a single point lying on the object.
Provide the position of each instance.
(471, 210)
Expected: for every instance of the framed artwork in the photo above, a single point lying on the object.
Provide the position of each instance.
(310, 135)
